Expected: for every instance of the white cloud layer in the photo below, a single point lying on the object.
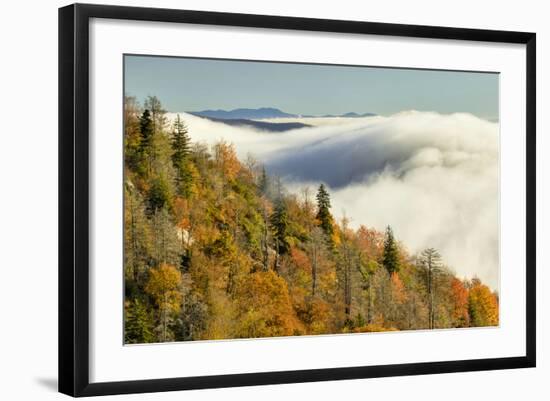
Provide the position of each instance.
(433, 178)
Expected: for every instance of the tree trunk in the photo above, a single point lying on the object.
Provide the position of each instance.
(371, 303)
(276, 266)
(164, 319)
(134, 241)
(347, 282)
(313, 269)
(430, 295)
(265, 239)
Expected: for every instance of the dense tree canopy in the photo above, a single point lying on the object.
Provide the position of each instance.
(216, 247)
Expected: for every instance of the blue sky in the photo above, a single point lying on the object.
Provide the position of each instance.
(185, 84)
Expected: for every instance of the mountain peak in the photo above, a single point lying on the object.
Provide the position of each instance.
(263, 113)
(244, 113)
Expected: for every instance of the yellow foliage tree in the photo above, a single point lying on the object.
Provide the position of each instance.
(265, 307)
(164, 287)
(319, 316)
(226, 159)
(482, 305)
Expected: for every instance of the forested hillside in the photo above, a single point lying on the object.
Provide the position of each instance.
(216, 248)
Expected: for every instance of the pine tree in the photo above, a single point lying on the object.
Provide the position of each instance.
(138, 324)
(180, 142)
(390, 258)
(263, 184)
(146, 128)
(180, 157)
(153, 104)
(323, 211)
(145, 142)
(279, 226)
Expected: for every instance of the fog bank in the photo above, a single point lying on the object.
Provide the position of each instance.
(432, 177)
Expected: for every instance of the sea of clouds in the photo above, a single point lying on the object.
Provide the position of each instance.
(434, 178)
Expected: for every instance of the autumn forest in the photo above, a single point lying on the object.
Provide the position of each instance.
(217, 247)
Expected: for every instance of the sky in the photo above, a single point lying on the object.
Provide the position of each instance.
(187, 84)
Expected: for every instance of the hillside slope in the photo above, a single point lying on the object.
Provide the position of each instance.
(215, 248)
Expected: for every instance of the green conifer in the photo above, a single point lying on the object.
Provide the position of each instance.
(390, 258)
(138, 324)
(145, 142)
(323, 211)
(180, 157)
(279, 226)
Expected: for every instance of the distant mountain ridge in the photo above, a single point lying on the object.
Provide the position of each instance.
(264, 113)
(351, 114)
(244, 114)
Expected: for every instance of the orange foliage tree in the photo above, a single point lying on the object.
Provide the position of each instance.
(459, 294)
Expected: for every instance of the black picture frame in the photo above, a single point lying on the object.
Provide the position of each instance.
(74, 194)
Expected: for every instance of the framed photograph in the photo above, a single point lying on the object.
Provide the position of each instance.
(250, 199)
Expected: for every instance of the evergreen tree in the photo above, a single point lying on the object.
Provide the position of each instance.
(180, 142)
(263, 184)
(146, 129)
(138, 324)
(279, 226)
(390, 258)
(180, 157)
(323, 211)
(153, 104)
(159, 195)
(145, 142)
